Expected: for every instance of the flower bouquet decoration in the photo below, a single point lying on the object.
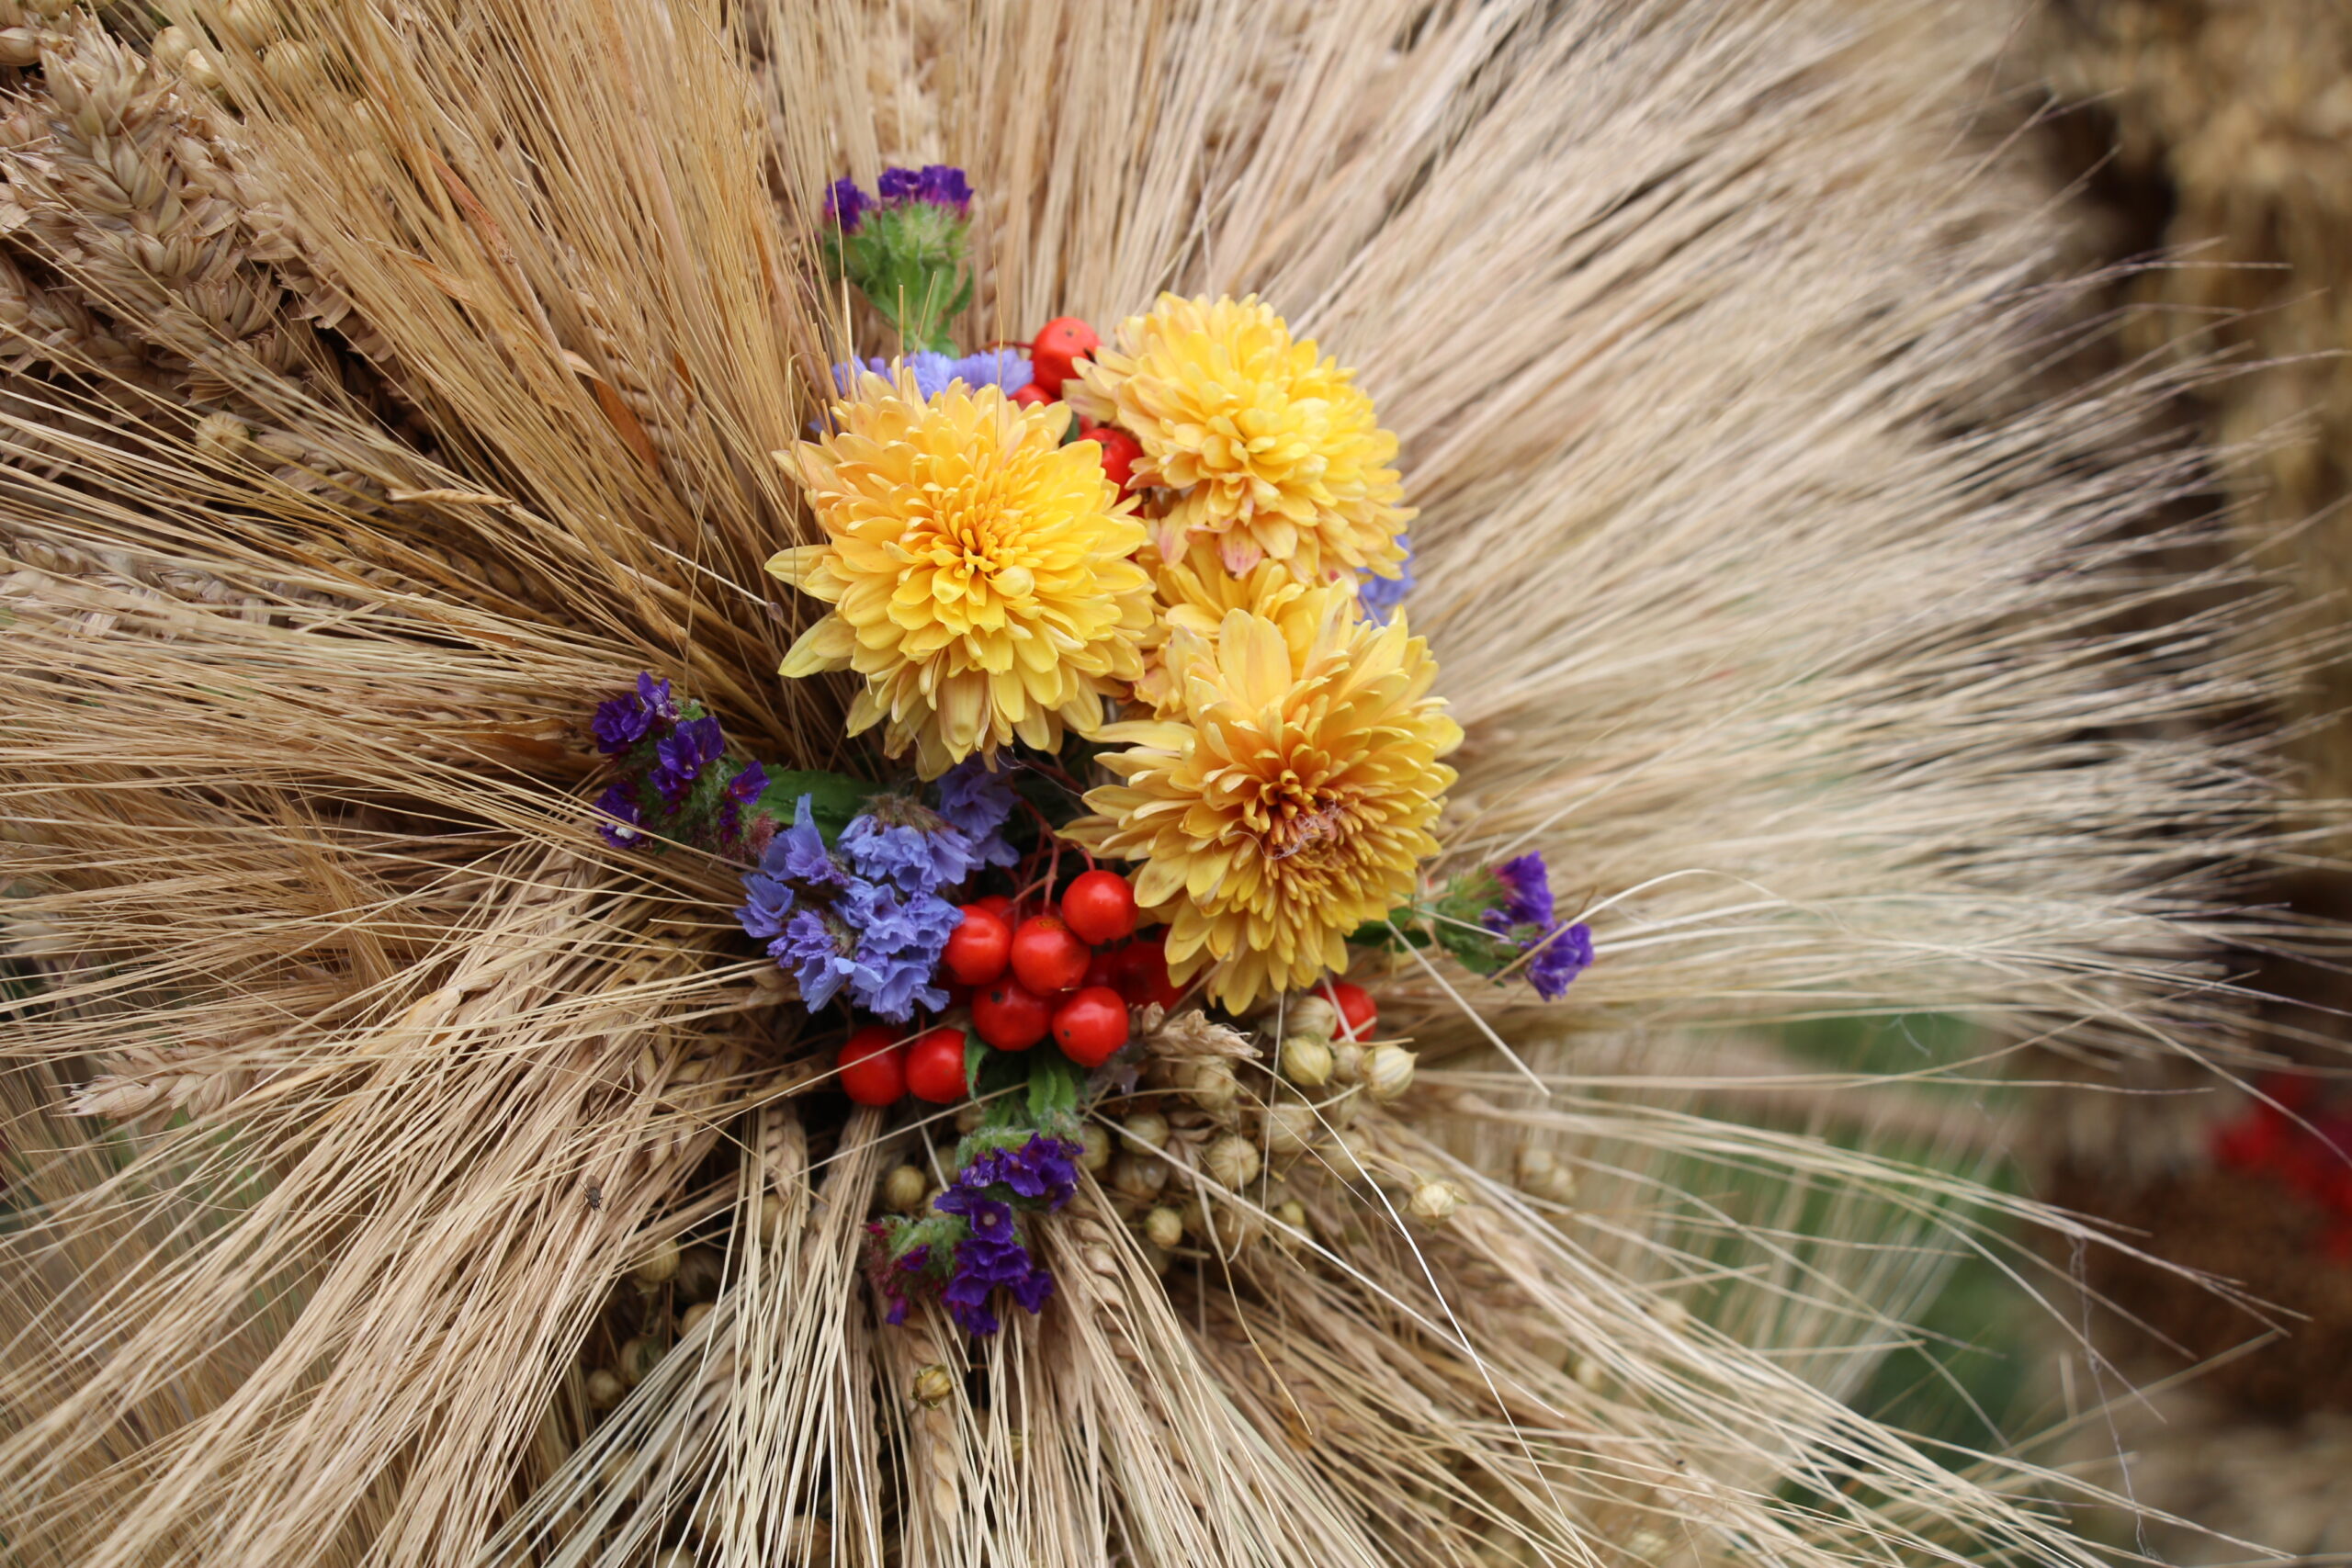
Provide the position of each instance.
(713, 860)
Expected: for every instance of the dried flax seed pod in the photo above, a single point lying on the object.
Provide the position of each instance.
(1163, 1227)
(903, 1190)
(1233, 1162)
(932, 1385)
(1145, 1130)
(1210, 1084)
(1434, 1202)
(1540, 1175)
(1389, 1071)
(1292, 1129)
(1311, 1017)
(1307, 1060)
(1139, 1177)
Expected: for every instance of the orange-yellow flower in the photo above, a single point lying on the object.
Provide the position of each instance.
(1286, 797)
(1273, 450)
(1195, 592)
(978, 569)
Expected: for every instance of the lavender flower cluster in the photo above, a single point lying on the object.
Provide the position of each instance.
(866, 913)
(1006, 369)
(675, 783)
(1559, 951)
(978, 1236)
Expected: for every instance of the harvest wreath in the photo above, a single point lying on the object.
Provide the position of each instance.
(1040, 1029)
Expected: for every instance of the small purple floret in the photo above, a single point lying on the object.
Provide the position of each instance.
(745, 786)
(624, 829)
(845, 204)
(1527, 893)
(979, 803)
(621, 722)
(943, 185)
(1562, 955)
(818, 956)
(1379, 596)
(682, 755)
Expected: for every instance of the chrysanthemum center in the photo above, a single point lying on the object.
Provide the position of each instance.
(977, 552)
(1291, 816)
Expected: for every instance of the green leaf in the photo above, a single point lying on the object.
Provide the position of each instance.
(1478, 951)
(976, 1056)
(994, 1074)
(1394, 934)
(1057, 1088)
(833, 799)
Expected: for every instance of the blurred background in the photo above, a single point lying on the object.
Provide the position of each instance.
(2199, 153)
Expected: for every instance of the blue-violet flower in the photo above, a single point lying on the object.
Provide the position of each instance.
(625, 827)
(1379, 596)
(979, 803)
(845, 204)
(623, 721)
(1560, 955)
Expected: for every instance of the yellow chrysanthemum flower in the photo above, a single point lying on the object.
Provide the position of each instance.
(1273, 450)
(978, 569)
(1285, 801)
(1195, 592)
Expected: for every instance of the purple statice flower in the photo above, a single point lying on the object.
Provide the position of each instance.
(623, 721)
(1561, 954)
(1527, 895)
(966, 1297)
(682, 755)
(767, 900)
(1035, 1290)
(899, 946)
(627, 824)
(819, 956)
(1379, 596)
(990, 1256)
(799, 852)
(984, 1265)
(914, 858)
(979, 803)
(845, 204)
(794, 869)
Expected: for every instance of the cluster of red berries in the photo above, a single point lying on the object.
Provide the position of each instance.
(2295, 1137)
(1053, 360)
(1071, 973)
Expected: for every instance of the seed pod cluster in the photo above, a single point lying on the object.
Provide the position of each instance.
(667, 1294)
(1197, 1158)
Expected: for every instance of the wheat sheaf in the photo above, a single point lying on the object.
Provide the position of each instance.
(401, 1173)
